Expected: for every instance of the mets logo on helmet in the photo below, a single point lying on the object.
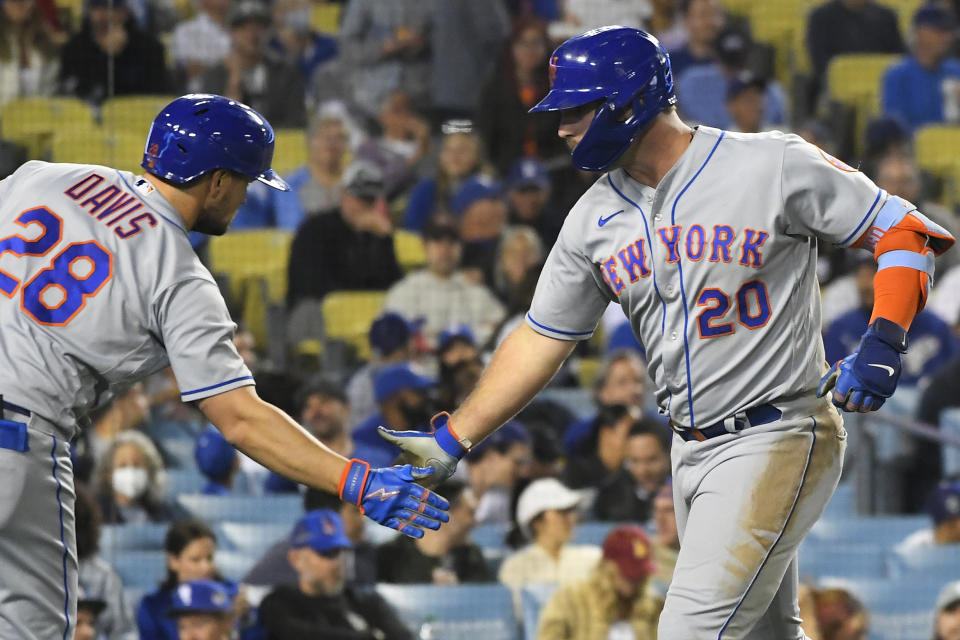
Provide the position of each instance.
(553, 69)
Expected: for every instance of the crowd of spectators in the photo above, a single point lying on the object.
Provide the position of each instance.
(414, 119)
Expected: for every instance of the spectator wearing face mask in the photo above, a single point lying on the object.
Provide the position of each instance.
(130, 482)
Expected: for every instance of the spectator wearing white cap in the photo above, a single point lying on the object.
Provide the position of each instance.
(547, 515)
(947, 623)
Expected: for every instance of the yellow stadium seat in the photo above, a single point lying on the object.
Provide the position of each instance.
(92, 145)
(289, 150)
(935, 147)
(250, 255)
(779, 24)
(854, 78)
(587, 371)
(347, 316)
(132, 113)
(73, 10)
(33, 121)
(255, 263)
(740, 7)
(325, 17)
(409, 249)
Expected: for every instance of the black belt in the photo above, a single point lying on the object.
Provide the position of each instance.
(15, 408)
(763, 414)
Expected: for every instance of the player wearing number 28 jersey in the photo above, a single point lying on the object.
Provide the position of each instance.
(100, 287)
(707, 240)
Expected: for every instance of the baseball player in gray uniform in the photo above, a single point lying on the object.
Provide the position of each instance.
(101, 287)
(707, 240)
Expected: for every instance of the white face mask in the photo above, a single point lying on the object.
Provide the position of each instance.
(130, 482)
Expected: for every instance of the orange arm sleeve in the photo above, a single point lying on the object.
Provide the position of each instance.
(900, 292)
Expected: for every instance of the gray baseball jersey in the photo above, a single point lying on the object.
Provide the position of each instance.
(715, 268)
(103, 288)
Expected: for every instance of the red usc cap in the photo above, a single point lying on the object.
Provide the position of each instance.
(629, 548)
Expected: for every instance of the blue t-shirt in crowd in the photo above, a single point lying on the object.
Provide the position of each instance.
(266, 207)
(703, 89)
(931, 343)
(915, 95)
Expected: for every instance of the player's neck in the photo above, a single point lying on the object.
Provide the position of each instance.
(185, 203)
(657, 150)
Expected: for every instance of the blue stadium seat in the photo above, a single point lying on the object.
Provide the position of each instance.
(234, 564)
(162, 430)
(178, 452)
(252, 537)
(853, 560)
(139, 569)
(132, 597)
(893, 597)
(885, 530)
(460, 611)
(180, 481)
(940, 563)
(214, 509)
(950, 423)
(534, 597)
(489, 535)
(577, 401)
(147, 536)
(843, 503)
(592, 532)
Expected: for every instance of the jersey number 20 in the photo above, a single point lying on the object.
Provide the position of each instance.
(56, 294)
(753, 309)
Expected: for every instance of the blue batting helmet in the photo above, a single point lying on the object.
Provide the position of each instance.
(627, 69)
(198, 133)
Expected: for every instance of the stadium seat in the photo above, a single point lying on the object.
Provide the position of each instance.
(325, 17)
(180, 481)
(936, 148)
(139, 569)
(116, 149)
(178, 452)
(33, 121)
(409, 249)
(592, 532)
(854, 80)
(457, 611)
(133, 114)
(888, 530)
(777, 24)
(843, 503)
(252, 538)
(147, 536)
(950, 423)
(347, 316)
(234, 564)
(940, 562)
(489, 535)
(277, 508)
(255, 265)
(577, 401)
(853, 559)
(899, 596)
(533, 598)
(289, 150)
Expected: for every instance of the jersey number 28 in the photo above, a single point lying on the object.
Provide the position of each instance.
(56, 294)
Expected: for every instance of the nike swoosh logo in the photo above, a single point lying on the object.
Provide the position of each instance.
(889, 370)
(610, 217)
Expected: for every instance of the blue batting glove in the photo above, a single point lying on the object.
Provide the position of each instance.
(391, 497)
(442, 449)
(864, 380)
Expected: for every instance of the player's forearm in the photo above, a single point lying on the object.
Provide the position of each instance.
(521, 367)
(273, 439)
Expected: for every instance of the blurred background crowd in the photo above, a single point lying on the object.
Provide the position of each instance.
(424, 202)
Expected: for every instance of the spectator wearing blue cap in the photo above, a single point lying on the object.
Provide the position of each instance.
(217, 460)
(495, 467)
(203, 610)
(441, 294)
(323, 411)
(925, 86)
(943, 505)
(746, 102)
(322, 605)
(403, 406)
(528, 199)
(391, 339)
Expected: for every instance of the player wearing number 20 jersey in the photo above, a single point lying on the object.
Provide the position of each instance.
(101, 284)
